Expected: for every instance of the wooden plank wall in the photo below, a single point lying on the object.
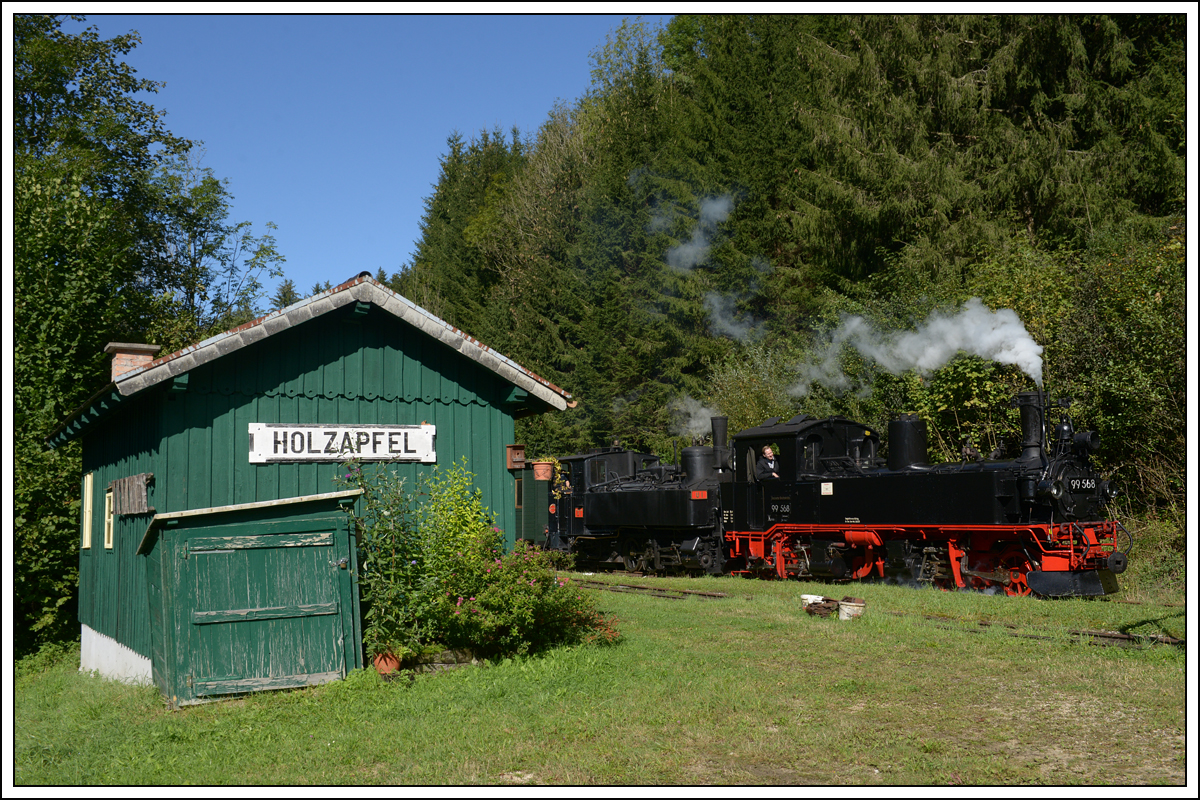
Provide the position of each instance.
(112, 587)
(341, 368)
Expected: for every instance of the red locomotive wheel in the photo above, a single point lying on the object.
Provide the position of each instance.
(1017, 586)
(1018, 567)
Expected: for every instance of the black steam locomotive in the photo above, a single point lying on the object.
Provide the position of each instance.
(1034, 524)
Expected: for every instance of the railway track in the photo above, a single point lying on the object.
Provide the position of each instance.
(1107, 638)
(653, 591)
(1094, 637)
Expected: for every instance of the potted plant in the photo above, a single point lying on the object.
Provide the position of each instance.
(549, 468)
(383, 636)
(544, 468)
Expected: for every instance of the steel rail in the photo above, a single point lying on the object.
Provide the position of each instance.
(1101, 637)
(652, 590)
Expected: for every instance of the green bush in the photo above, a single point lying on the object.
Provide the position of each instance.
(48, 656)
(1158, 559)
(389, 560)
(514, 604)
(434, 572)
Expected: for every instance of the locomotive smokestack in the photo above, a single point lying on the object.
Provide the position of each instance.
(907, 442)
(720, 430)
(1030, 404)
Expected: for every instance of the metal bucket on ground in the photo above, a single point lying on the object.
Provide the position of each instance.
(850, 607)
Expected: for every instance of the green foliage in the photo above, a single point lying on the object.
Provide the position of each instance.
(1124, 358)
(452, 519)
(1158, 561)
(83, 152)
(208, 270)
(286, 294)
(105, 207)
(448, 276)
(626, 52)
(432, 571)
(935, 137)
(389, 560)
(47, 657)
(966, 405)
(751, 385)
(514, 604)
(74, 107)
(920, 150)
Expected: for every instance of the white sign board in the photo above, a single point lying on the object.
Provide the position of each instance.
(272, 442)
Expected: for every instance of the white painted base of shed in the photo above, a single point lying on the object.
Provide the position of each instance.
(110, 658)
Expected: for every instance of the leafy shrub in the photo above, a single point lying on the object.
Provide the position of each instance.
(48, 656)
(435, 572)
(513, 604)
(389, 560)
(1158, 560)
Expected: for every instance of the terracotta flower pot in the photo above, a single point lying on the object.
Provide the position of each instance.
(543, 470)
(385, 663)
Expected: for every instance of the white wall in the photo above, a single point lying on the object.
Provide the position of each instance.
(110, 658)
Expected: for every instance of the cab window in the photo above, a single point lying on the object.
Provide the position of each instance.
(597, 471)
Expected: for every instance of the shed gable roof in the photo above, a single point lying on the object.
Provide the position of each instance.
(362, 289)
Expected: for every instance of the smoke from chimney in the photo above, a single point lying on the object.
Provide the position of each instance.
(724, 320)
(690, 254)
(995, 335)
(690, 417)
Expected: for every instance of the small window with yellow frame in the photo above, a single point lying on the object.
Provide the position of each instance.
(108, 520)
(86, 521)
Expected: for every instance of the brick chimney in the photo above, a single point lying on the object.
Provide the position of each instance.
(128, 356)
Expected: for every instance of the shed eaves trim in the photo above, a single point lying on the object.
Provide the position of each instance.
(363, 289)
(283, 501)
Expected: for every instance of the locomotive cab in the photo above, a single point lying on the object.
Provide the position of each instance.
(807, 450)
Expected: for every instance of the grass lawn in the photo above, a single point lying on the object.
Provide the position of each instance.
(743, 690)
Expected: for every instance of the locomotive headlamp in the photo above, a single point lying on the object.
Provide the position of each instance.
(1110, 490)
(1087, 441)
(1051, 489)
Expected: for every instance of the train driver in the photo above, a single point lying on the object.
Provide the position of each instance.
(767, 468)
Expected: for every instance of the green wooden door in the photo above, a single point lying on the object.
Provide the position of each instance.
(269, 606)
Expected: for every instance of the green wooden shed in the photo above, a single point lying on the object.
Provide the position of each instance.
(266, 412)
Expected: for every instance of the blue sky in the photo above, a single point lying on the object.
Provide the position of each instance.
(332, 126)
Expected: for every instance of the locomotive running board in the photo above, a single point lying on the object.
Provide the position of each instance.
(1073, 584)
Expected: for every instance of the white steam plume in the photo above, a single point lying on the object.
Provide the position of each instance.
(995, 335)
(690, 417)
(723, 319)
(690, 254)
